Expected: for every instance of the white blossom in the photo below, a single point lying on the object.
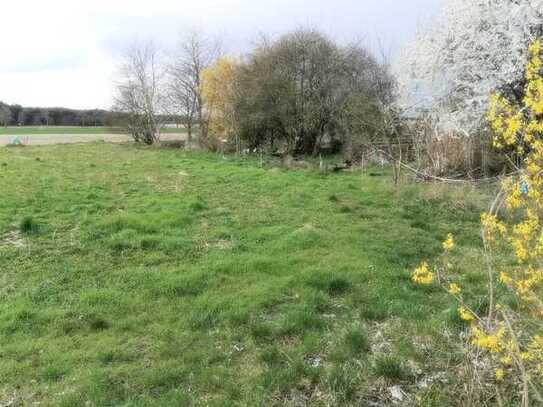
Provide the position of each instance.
(474, 48)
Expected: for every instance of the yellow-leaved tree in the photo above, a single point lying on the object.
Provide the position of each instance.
(217, 92)
(509, 331)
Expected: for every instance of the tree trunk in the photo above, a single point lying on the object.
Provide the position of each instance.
(189, 134)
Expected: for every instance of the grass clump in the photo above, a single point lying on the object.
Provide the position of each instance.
(390, 367)
(273, 357)
(262, 332)
(29, 226)
(338, 286)
(330, 284)
(357, 341)
(343, 381)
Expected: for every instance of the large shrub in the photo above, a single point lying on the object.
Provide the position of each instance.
(303, 92)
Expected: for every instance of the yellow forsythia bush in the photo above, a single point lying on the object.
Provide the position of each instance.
(217, 89)
(510, 332)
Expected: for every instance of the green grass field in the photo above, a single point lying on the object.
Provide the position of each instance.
(30, 130)
(134, 276)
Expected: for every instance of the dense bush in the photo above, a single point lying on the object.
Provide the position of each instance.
(303, 93)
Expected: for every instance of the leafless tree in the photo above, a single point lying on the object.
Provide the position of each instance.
(194, 53)
(140, 92)
(182, 101)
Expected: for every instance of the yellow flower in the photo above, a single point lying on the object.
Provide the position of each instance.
(448, 244)
(465, 314)
(535, 48)
(492, 227)
(422, 275)
(526, 356)
(490, 342)
(454, 289)
(506, 360)
(505, 278)
(499, 374)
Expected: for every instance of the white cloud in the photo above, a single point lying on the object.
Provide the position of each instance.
(61, 52)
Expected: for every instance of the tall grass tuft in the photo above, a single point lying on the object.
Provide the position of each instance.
(29, 226)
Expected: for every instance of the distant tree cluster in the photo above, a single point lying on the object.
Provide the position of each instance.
(299, 94)
(16, 115)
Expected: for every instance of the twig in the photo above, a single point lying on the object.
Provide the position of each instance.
(446, 180)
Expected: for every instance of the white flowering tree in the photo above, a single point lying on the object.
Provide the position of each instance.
(474, 48)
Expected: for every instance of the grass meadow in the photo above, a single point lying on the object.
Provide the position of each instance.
(47, 130)
(139, 276)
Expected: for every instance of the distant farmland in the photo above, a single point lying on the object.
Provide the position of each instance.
(37, 130)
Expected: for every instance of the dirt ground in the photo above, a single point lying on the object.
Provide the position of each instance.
(45, 139)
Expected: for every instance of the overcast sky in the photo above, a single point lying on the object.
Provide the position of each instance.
(63, 52)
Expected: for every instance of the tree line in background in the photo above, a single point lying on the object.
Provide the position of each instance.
(16, 115)
(299, 94)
